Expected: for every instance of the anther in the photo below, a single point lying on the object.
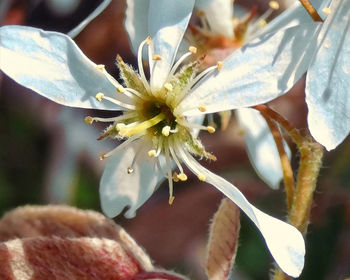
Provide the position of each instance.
(120, 89)
(326, 10)
(262, 23)
(219, 64)
(210, 129)
(274, 5)
(201, 13)
(168, 86)
(202, 108)
(192, 49)
(166, 130)
(157, 57)
(171, 199)
(103, 156)
(120, 126)
(130, 170)
(148, 40)
(152, 153)
(88, 120)
(100, 66)
(182, 176)
(99, 96)
(201, 177)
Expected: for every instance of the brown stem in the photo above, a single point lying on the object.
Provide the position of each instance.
(288, 178)
(297, 138)
(311, 10)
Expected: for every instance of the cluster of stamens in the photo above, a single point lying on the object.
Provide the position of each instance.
(150, 114)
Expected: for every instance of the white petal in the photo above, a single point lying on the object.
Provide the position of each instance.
(328, 80)
(256, 73)
(219, 14)
(136, 22)
(262, 150)
(284, 241)
(52, 65)
(118, 189)
(73, 33)
(167, 21)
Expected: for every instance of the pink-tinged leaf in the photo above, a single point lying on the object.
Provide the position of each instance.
(223, 241)
(42, 258)
(65, 221)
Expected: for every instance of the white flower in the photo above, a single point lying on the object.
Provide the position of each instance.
(222, 32)
(327, 50)
(52, 65)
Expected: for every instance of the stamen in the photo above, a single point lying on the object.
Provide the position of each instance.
(160, 145)
(128, 131)
(170, 179)
(180, 60)
(101, 96)
(88, 120)
(120, 89)
(219, 64)
(189, 161)
(168, 87)
(326, 11)
(182, 176)
(201, 75)
(166, 130)
(210, 129)
(157, 57)
(173, 154)
(202, 108)
(192, 49)
(152, 153)
(135, 92)
(274, 5)
(140, 65)
(121, 146)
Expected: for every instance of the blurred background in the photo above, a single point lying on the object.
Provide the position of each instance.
(49, 155)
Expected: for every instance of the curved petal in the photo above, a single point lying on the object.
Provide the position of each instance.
(219, 14)
(167, 22)
(256, 73)
(284, 241)
(262, 150)
(52, 65)
(328, 79)
(136, 22)
(119, 189)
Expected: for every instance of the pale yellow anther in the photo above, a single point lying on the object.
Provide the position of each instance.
(202, 108)
(201, 177)
(274, 5)
(120, 89)
(100, 66)
(166, 130)
(148, 40)
(120, 126)
(152, 153)
(157, 57)
(182, 176)
(99, 96)
(326, 11)
(130, 170)
(171, 199)
(88, 120)
(219, 64)
(262, 23)
(103, 156)
(168, 86)
(210, 129)
(192, 49)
